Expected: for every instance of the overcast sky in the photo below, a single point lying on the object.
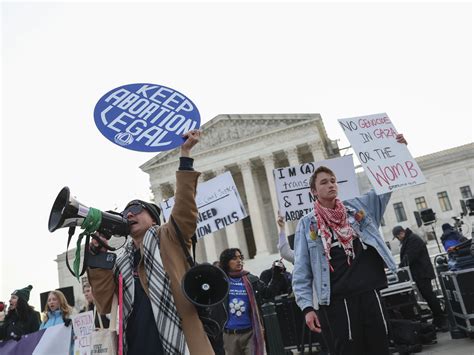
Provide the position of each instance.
(412, 61)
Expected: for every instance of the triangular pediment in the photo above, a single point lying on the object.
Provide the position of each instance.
(224, 130)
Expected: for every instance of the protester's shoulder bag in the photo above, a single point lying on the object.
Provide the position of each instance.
(104, 340)
(213, 318)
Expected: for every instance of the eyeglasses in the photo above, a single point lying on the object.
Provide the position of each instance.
(241, 257)
(134, 209)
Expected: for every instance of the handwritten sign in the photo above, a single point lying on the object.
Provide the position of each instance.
(219, 205)
(83, 325)
(388, 164)
(292, 185)
(145, 117)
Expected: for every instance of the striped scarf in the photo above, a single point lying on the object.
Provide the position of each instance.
(166, 316)
(336, 220)
(257, 336)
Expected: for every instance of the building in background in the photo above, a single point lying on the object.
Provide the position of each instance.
(251, 146)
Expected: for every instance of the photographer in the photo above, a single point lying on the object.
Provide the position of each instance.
(414, 253)
(157, 318)
(451, 237)
(280, 276)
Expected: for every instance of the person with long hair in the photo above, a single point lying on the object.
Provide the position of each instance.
(243, 332)
(56, 310)
(21, 318)
(340, 253)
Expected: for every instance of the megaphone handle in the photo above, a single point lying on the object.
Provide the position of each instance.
(102, 244)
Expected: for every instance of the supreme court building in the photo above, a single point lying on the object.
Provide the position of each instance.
(249, 147)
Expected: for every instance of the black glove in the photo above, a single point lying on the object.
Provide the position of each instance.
(15, 337)
(277, 271)
(67, 322)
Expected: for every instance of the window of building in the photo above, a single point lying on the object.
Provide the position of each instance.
(400, 212)
(466, 192)
(444, 201)
(420, 203)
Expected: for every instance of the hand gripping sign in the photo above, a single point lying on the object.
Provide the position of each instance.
(146, 117)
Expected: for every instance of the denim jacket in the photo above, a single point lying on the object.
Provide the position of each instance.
(311, 264)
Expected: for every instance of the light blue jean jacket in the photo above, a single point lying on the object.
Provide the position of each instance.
(54, 318)
(311, 264)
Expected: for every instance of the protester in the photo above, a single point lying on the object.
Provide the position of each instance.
(90, 306)
(56, 310)
(283, 246)
(243, 333)
(21, 318)
(413, 253)
(284, 283)
(339, 250)
(157, 318)
(450, 236)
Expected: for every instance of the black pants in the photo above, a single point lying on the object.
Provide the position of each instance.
(426, 290)
(356, 325)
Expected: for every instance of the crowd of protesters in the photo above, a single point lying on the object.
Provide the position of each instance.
(339, 262)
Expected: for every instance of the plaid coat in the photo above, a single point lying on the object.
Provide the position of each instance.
(160, 270)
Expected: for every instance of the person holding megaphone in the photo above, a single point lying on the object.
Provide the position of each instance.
(157, 318)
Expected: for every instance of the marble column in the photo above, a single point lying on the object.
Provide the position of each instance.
(254, 211)
(269, 164)
(317, 149)
(293, 160)
(292, 155)
(158, 194)
(219, 236)
(208, 240)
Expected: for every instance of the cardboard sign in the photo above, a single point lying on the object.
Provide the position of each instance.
(83, 325)
(387, 163)
(219, 205)
(292, 185)
(145, 117)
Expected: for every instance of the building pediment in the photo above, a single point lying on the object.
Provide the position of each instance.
(223, 130)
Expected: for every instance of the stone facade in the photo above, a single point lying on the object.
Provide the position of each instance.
(251, 146)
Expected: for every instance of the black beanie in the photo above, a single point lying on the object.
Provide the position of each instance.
(446, 227)
(153, 209)
(23, 293)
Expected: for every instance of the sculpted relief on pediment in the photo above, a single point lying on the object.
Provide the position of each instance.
(229, 131)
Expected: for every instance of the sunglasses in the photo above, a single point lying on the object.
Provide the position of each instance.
(134, 209)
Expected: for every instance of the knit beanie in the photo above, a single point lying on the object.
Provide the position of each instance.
(23, 293)
(153, 209)
(446, 227)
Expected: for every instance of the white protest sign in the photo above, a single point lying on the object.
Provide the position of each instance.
(83, 325)
(387, 163)
(218, 202)
(292, 185)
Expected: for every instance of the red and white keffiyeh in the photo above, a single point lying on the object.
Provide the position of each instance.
(335, 220)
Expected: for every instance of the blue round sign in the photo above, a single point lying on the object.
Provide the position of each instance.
(146, 117)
